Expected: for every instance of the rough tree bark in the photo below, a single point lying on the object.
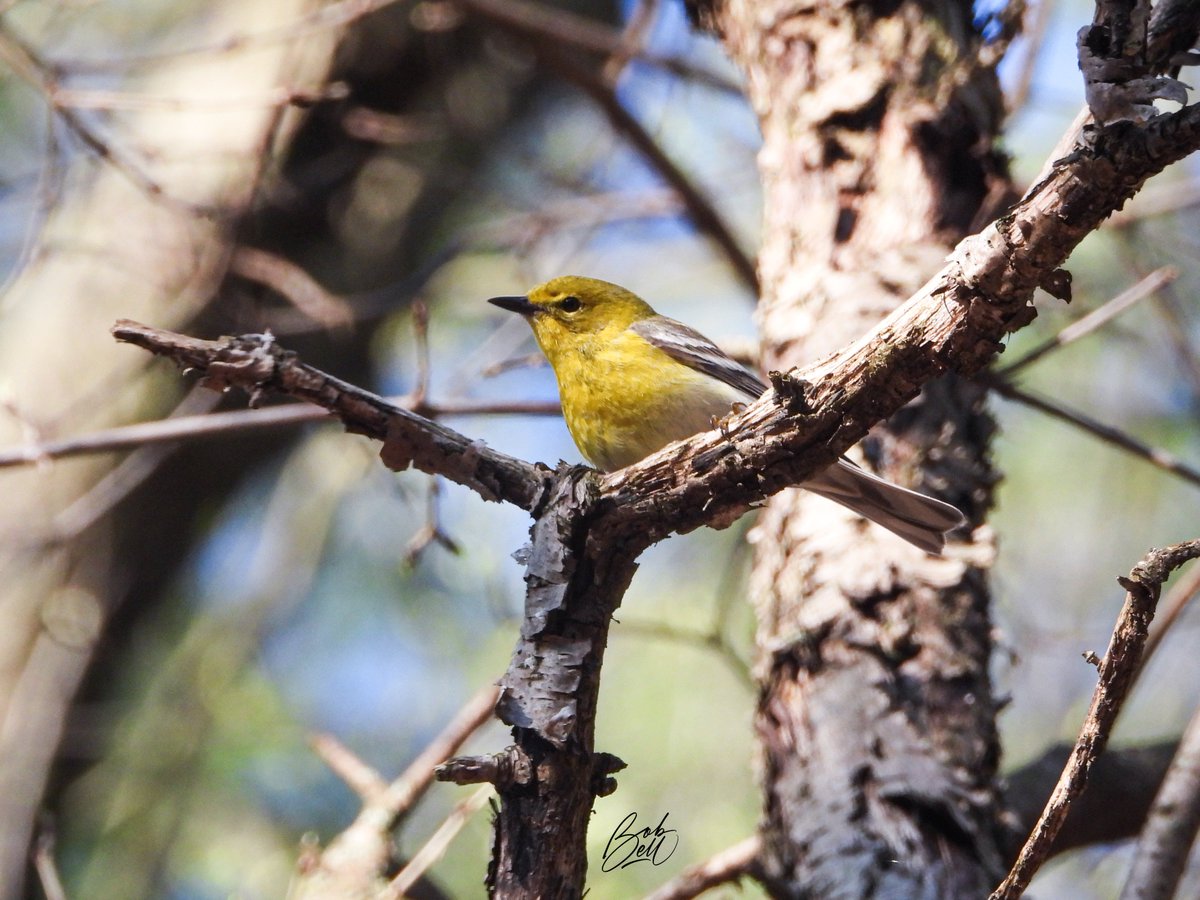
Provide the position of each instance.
(589, 530)
(876, 719)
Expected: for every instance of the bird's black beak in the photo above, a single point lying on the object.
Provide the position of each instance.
(514, 304)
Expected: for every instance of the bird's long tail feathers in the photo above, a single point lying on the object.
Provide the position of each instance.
(918, 519)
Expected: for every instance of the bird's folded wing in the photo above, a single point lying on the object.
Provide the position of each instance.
(690, 347)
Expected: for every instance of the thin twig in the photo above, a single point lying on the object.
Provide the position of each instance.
(351, 864)
(75, 98)
(420, 320)
(730, 864)
(292, 283)
(713, 640)
(1171, 826)
(361, 778)
(1036, 26)
(699, 209)
(46, 867)
(412, 784)
(30, 68)
(120, 481)
(126, 437)
(433, 849)
(392, 129)
(1167, 304)
(1097, 318)
(431, 532)
(1117, 671)
(569, 31)
(1164, 460)
(632, 38)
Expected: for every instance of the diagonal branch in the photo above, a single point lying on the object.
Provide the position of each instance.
(531, 25)
(956, 321)
(1097, 318)
(1171, 827)
(1117, 671)
(730, 864)
(590, 530)
(1156, 456)
(258, 364)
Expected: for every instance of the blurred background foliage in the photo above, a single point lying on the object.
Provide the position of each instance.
(276, 590)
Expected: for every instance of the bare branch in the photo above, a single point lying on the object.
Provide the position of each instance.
(356, 774)
(123, 479)
(730, 864)
(76, 98)
(1163, 459)
(1121, 787)
(431, 533)
(293, 284)
(713, 640)
(433, 849)
(699, 208)
(257, 363)
(46, 867)
(1117, 672)
(1171, 827)
(354, 860)
(632, 38)
(503, 769)
(408, 788)
(126, 437)
(1097, 318)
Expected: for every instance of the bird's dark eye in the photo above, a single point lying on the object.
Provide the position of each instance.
(570, 304)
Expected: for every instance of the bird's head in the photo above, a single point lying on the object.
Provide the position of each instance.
(572, 308)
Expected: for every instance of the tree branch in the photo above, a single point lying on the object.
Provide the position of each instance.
(589, 530)
(1121, 787)
(258, 364)
(954, 322)
(1117, 671)
(1162, 851)
(731, 864)
(355, 859)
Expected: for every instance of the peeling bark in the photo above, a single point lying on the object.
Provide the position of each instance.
(901, 650)
(876, 722)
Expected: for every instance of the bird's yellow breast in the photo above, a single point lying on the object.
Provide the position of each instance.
(659, 400)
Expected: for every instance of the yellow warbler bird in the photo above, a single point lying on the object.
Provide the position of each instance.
(632, 381)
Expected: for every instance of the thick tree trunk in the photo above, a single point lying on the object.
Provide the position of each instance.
(876, 721)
